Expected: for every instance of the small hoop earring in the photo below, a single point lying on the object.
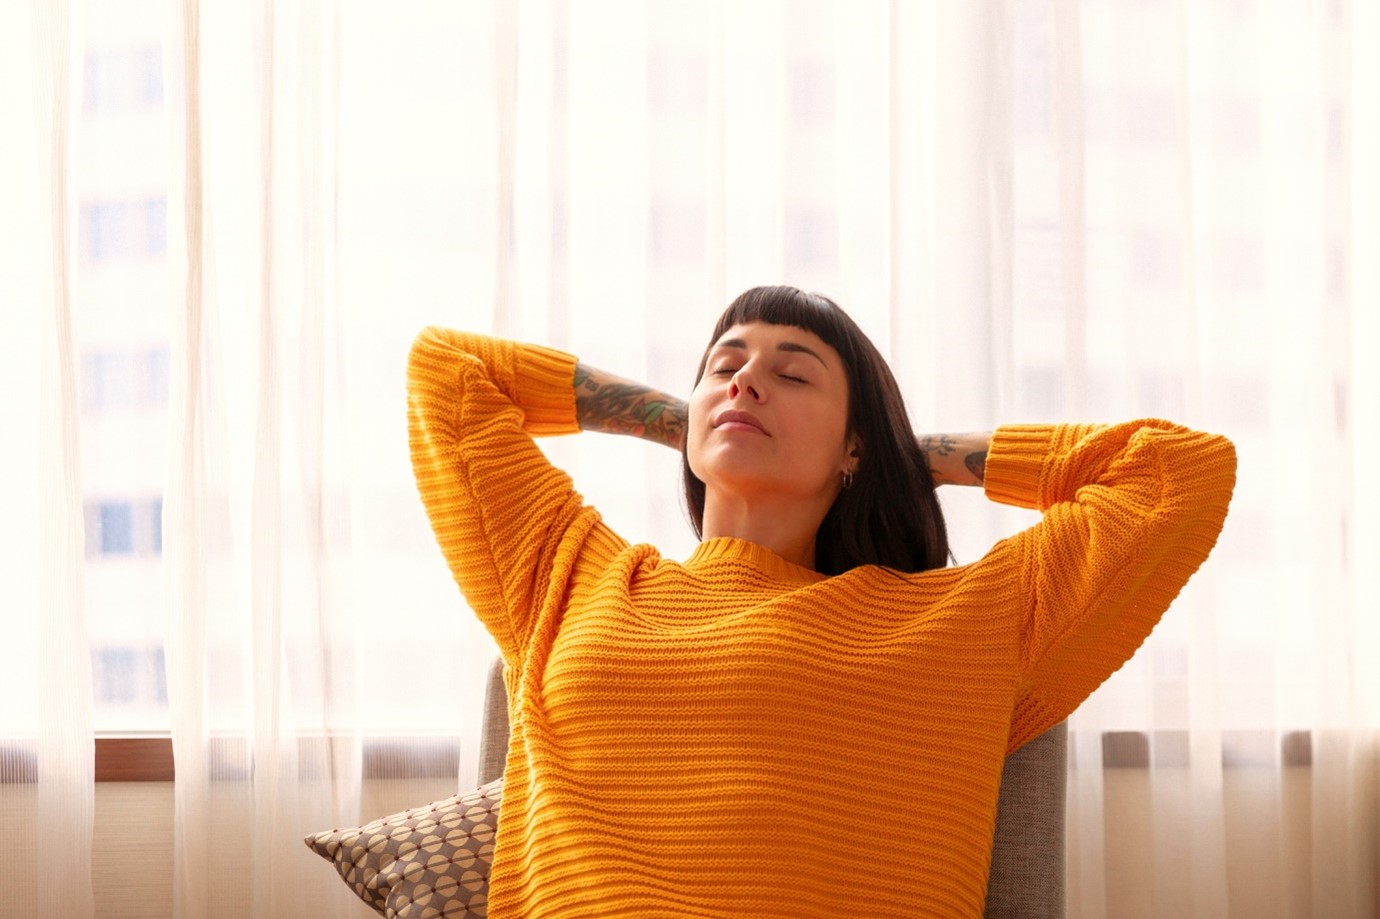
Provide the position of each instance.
(847, 479)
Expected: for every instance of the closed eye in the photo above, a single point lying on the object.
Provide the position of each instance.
(722, 371)
(786, 376)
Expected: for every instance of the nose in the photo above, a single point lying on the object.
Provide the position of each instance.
(743, 382)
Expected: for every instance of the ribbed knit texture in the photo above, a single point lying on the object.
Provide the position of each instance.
(738, 736)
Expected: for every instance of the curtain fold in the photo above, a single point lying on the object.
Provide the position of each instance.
(187, 517)
(47, 766)
(1362, 233)
(261, 645)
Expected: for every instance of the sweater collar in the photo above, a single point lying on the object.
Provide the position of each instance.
(732, 550)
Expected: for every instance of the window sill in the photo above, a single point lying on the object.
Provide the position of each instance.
(150, 759)
(134, 759)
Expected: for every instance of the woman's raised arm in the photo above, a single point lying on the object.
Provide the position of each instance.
(502, 514)
(956, 459)
(611, 404)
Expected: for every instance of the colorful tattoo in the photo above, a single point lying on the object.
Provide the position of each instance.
(613, 406)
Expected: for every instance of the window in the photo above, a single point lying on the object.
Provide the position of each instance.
(122, 79)
(116, 525)
(123, 229)
(122, 333)
(122, 380)
(129, 677)
(124, 527)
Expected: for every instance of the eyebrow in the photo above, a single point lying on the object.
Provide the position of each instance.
(782, 346)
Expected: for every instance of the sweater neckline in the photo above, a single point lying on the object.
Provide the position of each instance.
(733, 549)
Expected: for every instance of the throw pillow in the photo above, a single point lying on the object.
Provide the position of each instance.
(428, 861)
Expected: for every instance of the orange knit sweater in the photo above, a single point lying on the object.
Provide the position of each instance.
(738, 736)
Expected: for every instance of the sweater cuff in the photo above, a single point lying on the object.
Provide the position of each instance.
(1015, 460)
(545, 380)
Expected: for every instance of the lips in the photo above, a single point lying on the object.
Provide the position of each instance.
(738, 420)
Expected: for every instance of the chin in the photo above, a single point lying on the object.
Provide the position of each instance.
(733, 470)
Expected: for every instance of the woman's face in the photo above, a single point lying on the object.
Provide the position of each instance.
(769, 417)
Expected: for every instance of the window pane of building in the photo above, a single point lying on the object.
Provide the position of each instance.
(116, 538)
(121, 322)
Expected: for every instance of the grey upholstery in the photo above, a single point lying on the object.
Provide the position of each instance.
(1027, 878)
(493, 742)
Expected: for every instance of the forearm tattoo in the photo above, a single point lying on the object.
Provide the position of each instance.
(952, 459)
(977, 464)
(938, 444)
(614, 406)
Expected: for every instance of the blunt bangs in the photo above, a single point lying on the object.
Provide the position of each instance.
(788, 306)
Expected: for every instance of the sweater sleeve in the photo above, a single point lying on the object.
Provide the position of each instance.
(504, 517)
(1130, 512)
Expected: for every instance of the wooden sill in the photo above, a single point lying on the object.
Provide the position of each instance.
(134, 759)
(150, 759)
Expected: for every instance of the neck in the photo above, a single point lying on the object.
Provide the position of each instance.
(786, 527)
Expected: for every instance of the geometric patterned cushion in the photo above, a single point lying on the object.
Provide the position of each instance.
(428, 861)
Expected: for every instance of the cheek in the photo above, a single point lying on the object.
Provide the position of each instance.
(826, 442)
(697, 418)
(696, 424)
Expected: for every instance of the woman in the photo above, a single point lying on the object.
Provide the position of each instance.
(809, 716)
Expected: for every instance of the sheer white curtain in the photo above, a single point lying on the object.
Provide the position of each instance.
(1211, 218)
(261, 635)
(1039, 210)
(46, 741)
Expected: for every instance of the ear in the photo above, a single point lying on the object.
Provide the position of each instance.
(855, 453)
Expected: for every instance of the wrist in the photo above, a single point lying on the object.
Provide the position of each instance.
(956, 459)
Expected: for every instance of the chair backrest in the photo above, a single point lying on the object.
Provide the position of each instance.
(1027, 876)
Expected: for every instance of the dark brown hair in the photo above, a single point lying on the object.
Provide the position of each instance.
(890, 516)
